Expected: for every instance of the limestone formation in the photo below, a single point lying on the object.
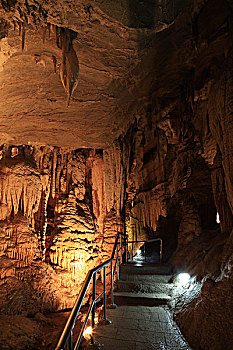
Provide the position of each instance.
(145, 148)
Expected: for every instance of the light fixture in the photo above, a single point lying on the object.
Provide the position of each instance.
(217, 218)
(87, 332)
(183, 278)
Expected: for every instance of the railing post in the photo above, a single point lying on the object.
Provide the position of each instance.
(93, 300)
(105, 307)
(66, 341)
(117, 263)
(112, 282)
(161, 250)
(124, 249)
(132, 251)
(70, 343)
(121, 249)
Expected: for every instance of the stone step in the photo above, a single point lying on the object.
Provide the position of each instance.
(145, 278)
(145, 299)
(156, 269)
(143, 287)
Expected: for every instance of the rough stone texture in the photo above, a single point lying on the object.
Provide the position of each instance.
(20, 185)
(19, 332)
(180, 159)
(214, 300)
(108, 46)
(140, 327)
(106, 51)
(154, 106)
(50, 200)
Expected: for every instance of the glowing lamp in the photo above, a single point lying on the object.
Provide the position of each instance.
(87, 332)
(217, 218)
(183, 278)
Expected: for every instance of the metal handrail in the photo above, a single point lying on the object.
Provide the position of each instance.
(152, 240)
(66, 337)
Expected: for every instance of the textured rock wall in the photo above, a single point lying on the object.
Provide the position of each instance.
(60, 212)
(167, 176)
(180, 171)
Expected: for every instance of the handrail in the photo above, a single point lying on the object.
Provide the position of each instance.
(66, 337)
(152, 240)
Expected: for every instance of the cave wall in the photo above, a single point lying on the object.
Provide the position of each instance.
(180, 168)
(60, 212)
(167, 175)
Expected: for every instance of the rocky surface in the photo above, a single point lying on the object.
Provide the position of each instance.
(54, 210)
(145, 146)
(107, 45)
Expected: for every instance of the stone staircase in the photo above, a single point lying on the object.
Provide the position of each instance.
(142, 320)
(143, 284)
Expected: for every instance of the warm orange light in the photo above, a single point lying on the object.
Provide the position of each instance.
(217, 218)
(88, 331)
(14, 152)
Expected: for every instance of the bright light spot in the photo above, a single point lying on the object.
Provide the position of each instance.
(183, 278)
(96, 320)
(217, 218)
(87, 331)
(14, 152)
(138, 252)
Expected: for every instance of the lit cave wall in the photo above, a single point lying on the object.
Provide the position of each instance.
(60, 212)
(153, 125)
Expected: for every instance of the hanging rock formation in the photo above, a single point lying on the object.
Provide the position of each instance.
(145, 147)
(69, 71)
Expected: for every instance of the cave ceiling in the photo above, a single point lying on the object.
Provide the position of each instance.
(110, 41)
(128, 51)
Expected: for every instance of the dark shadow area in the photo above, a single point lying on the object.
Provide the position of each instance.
(142, 13)
(152, 252)
(168, 229)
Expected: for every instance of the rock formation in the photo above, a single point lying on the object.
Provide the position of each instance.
(145, 147)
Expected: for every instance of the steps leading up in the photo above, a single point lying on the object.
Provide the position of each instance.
(150, 278)
(143, 287)
(143, 284)
(155, 269)
(145, 299)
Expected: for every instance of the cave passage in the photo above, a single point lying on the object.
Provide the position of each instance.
(116, 117)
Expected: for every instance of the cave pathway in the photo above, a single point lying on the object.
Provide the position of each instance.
(142, 320)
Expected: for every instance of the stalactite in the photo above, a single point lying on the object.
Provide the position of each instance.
(58, 171)
(69, 71)
(98, 190)
(220, 195)
(53, 185)
(16, 190)
(44, 34)
(23, 35)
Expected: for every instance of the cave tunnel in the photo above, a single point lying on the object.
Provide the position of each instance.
(116, 174)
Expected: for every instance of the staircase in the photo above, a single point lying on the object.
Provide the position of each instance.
(142, 320)
(143, 284)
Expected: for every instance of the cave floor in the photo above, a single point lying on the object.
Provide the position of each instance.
(140, 328)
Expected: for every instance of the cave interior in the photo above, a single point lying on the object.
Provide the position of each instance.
(116, 116)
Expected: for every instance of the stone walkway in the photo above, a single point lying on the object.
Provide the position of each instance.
(140, 328)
